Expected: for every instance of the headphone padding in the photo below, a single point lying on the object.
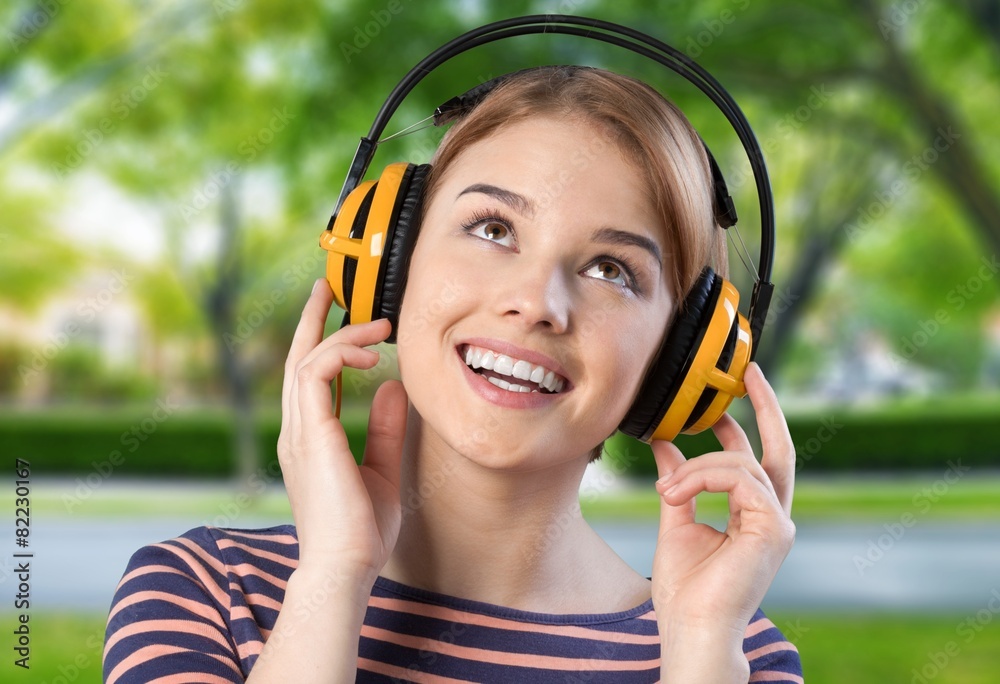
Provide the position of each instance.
(663, 379)
(399, 247)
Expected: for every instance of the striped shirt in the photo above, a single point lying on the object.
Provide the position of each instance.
(199, 607)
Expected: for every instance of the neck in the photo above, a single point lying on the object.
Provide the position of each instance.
(509, 538)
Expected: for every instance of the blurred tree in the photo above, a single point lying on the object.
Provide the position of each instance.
(233, 122)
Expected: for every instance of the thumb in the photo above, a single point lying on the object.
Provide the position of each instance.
(668, 459)
(386, 430)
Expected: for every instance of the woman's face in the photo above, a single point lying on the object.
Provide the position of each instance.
(536, 296)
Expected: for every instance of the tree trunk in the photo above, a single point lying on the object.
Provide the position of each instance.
(222, 315)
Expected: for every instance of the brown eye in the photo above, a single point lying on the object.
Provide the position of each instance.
(609, 271)
(494, 231)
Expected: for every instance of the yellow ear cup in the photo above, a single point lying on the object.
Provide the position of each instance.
(363, 243)
(703, 374)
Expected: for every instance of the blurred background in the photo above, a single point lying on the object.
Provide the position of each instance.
(166, 169)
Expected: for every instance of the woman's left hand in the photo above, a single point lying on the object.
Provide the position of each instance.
(708, 584)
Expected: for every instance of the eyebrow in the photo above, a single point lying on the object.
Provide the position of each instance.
(518, 203)
(615, 236)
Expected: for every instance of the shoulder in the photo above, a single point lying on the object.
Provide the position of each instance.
(199, 603)
(202, 563)
(216, 550)
(769, 651)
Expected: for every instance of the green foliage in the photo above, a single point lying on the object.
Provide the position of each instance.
(915, 435)
(906, 436)
(77, 373)
(150, 439)
(171, 103)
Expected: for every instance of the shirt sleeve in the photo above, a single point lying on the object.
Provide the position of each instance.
(771, 656)
(169, 616)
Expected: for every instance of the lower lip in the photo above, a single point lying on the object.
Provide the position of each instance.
(505, 398)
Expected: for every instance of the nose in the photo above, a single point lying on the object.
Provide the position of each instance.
(539, 295)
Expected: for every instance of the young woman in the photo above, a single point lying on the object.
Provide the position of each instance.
(565, 219)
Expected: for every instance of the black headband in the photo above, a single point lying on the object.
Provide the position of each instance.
(629, 39)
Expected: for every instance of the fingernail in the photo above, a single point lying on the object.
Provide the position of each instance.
(316, 285)
(662, 482)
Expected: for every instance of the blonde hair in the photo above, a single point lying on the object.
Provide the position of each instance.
(649, 130)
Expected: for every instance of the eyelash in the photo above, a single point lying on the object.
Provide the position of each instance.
(622, 261)
(628, 268)
(485, 216)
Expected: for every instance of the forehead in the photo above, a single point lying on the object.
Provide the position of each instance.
(565, 162)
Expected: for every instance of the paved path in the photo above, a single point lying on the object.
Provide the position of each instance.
(931, 566)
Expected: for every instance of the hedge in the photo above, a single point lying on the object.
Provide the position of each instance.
(905, 436)
(134, 443)
(199, 443)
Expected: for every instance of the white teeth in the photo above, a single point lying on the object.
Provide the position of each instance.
(477, 357)
(502, 384)
(522, 370)
(510, 386)
(504, 365)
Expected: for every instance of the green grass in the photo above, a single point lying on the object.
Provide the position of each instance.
(65, 647)
(837, 499)
(834, 498)
(854, 648)
(888, 648)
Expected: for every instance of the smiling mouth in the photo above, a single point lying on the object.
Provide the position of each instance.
(509, 373)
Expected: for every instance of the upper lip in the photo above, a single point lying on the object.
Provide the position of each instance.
(514, 351)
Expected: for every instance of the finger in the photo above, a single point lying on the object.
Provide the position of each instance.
(731, 435)
(736, 460)
(778, 459)
(312, 380)
(668, 459)
(308, 333)
(746, 493)
(357, 336)
(386, 429)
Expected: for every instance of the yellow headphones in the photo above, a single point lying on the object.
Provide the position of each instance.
(699, 368)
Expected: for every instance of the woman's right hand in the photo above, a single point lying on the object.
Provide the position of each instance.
(347, 517)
